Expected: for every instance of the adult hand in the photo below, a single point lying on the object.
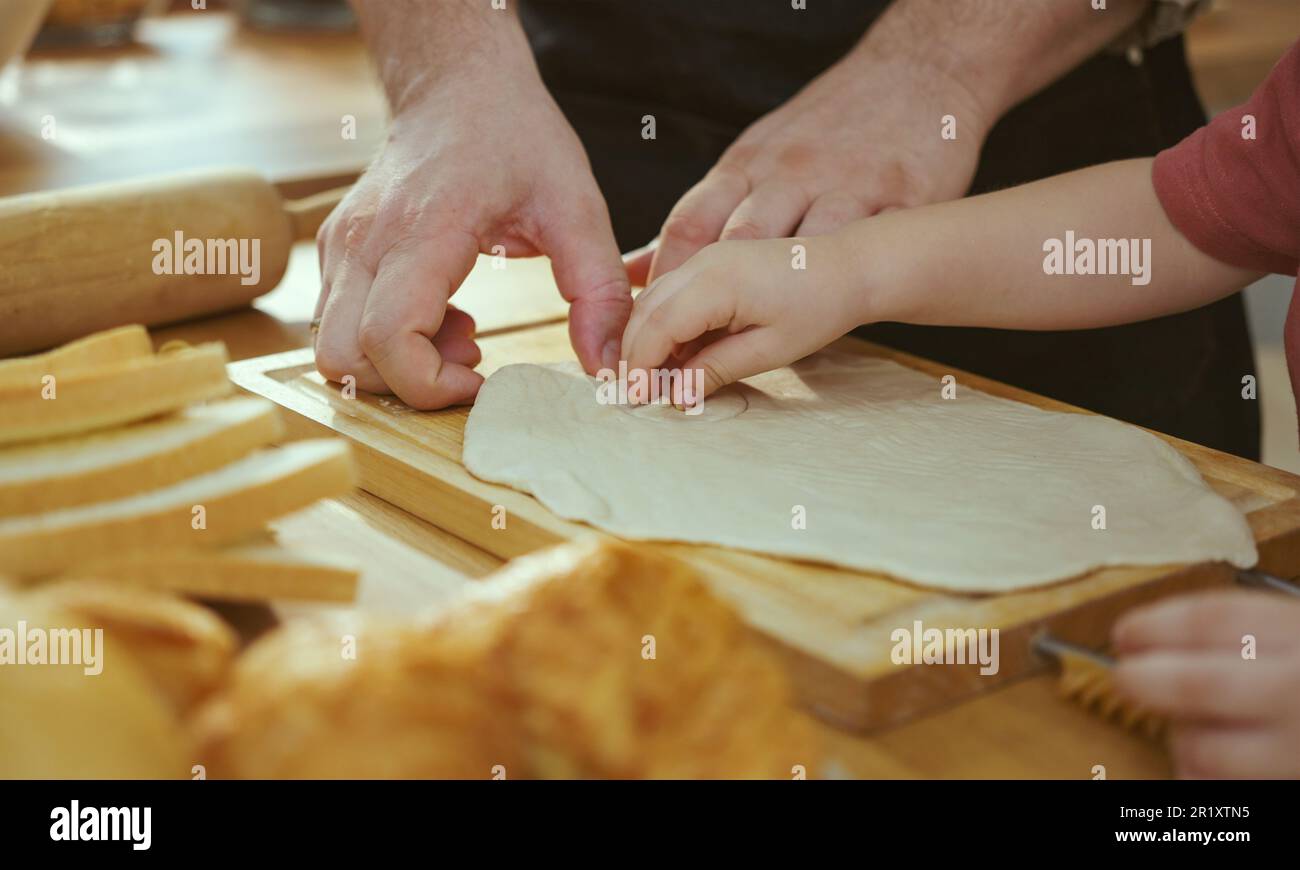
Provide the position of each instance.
(1234, 715)
(865, 136)
(478, 161)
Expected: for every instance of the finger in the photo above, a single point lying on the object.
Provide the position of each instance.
(680, 316)
(1202, 685)
(637, 263)
(459, 350)
(771, 211)
(685, 351)
(321, 298)
(338, 350)
(698, 218)
(457, 322)
(829, 212)
(731, 359)
(1227, 752)
(321, 242)
(454, 340)
(590, 275)
(648, 300)
(331, 244)
(1215, 620)
(405, 310)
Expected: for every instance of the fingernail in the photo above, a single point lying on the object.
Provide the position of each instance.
(609, 357)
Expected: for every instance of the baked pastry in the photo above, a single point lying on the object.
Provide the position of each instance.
(59, 722)
(182, 647)
(587, 660)
(410, 703)
(576, 636)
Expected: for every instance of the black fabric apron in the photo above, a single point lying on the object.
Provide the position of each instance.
(707, 68)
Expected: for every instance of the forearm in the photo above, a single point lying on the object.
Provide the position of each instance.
(1001, 52)
(984, 261)
(420, 44)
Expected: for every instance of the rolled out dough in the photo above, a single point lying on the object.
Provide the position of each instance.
(972, 494)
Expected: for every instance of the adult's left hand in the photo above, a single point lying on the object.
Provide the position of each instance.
(865, 136)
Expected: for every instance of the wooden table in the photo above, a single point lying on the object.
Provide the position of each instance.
(198, 93)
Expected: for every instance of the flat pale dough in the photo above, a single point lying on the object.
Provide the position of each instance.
(972, 494)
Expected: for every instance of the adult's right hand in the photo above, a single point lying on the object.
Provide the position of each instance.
(476, 161)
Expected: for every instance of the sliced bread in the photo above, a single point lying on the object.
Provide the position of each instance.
(119, 462)
(124, 392)
(263, 571)
(209, 510)
(103, 349)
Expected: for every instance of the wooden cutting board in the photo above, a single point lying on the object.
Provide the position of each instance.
(833, 625)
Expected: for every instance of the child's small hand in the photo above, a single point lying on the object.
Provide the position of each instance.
(1233, 715)
(738, 308)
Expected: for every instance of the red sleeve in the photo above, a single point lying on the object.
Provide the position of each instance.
(1238, 199)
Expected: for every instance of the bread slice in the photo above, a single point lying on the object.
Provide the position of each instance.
(236, 501)
(124, 392)
(119, 462)
(103, 349)
(262, 571)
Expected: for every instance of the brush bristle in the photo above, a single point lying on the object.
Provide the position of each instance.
(1088, 683)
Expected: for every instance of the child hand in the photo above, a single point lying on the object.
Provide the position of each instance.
(1234, 715)
(738, 308)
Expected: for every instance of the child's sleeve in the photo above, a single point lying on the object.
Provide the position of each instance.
(1233, 187)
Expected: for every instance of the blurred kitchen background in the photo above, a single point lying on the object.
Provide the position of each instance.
(123, 88)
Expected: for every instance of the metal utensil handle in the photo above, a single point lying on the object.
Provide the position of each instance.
(1054, 648)
(1264, 580)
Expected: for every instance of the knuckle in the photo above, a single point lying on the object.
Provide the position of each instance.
(614, 290)
(729, 174)
(715, 371)
(685, 228)
(374, 336)
(335, 364)
(840, 204)
(657, 320)
(743, 228)
(403, 222)
(356, 231)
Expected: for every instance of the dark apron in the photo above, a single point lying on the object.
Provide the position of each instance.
(707, 68)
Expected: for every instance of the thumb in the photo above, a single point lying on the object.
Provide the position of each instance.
(590, 274)
(731, 359)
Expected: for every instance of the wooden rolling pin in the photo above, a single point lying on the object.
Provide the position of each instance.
(77, 261)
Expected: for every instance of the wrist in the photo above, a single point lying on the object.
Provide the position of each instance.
(882, 278)
(853, 278)
(970, 84)
(424, 50)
